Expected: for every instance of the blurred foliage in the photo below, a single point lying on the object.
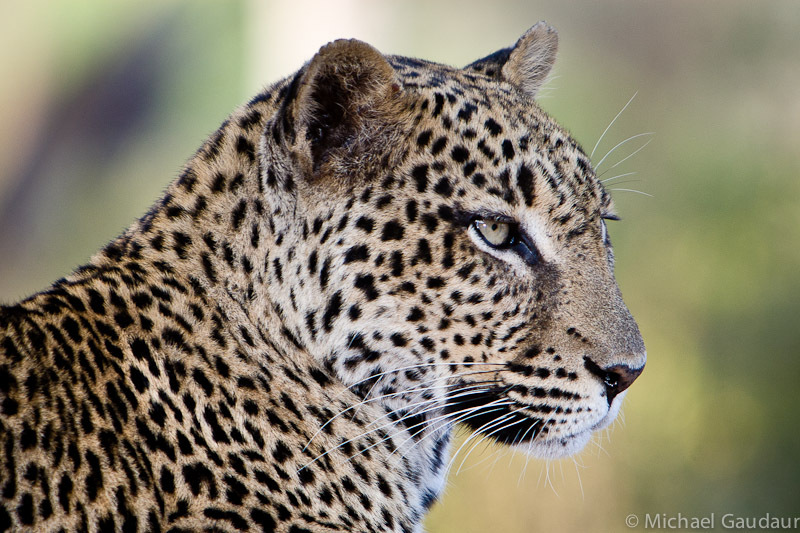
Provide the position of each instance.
(101, 103)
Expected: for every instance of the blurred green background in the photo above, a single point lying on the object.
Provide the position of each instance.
(102, 102)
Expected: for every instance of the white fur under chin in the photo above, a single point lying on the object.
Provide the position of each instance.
(566, 446)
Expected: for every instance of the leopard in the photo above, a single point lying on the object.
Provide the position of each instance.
(367, 255)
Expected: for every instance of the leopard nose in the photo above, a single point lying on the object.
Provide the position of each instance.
(616, 378)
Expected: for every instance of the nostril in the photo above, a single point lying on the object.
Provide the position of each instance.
(625, 375)
(616, 378)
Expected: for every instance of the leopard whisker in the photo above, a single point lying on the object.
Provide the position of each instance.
(634, 191)
(425, 425)
(479, 386)
(611, 124)
(530, 446)
(366, 396)
(491, 423)
(642, 147)
(421, 365)
(649, 133)
(578, 473)
(388, 424)
(486, 436)
(374, 399)
(449, 420)
(618, 176)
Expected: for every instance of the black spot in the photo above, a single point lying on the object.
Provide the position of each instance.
(167, 480)
(427, 343)
(94, 480)
(306, 475)
(281, 452)
(96, 302)
(416, 314)
(365, 223)
(219, 183)
(443, 188)
(423, 252)
(324, 272)
(525, 183)
(439, 145)
(238, 214)
(424, 138)
(409, 287)
(201, 379)
(383, 201)
(398, 339)
(392, 231)
(445, 212)
(217, 432)
(64, 491)
(411, 211)
(357, 253)
(208, 267)
(25, 509)
(312, 262)
(397, 263)
(493, 127)
(459, 154)
(72, 328)
(508, 149)
(435, 283)
(138, 379)
(180, 242)
(342, 222)
(255, 235)
(366, 282)
(245, 147)
(430, 222)
(157, 242)
(469, 168)
(466, 112)
(263, 519)
(236, 490)
(533, 351)
(319, 376)
(10, 406)
(332, 310)
(420, 175)
(439, 103)
(488, 152)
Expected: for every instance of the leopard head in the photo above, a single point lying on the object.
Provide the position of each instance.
(442, 245)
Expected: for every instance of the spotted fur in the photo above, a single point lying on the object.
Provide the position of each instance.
(285, 341)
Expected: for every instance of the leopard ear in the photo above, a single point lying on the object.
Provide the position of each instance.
(527, 63)
(333, 103)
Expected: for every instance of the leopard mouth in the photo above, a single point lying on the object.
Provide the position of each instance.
(490, 413)
(522, 425)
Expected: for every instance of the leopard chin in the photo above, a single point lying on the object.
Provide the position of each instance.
(574, 443)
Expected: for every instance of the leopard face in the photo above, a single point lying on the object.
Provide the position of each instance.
(450, 261)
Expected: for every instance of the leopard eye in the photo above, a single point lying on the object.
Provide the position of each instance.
(496, 234)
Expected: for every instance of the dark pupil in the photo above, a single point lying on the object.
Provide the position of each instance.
(494, 227)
